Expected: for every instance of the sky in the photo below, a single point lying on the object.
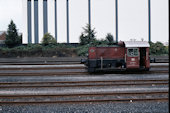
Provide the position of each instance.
(132, 19)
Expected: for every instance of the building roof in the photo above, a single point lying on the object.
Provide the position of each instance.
(1, 32)
(136, 44)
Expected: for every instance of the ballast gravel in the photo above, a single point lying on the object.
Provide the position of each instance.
(129, 107)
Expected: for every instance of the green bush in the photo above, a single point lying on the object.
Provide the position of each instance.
(82, 50)
(48, 39)
(38, 50)
(158, 49)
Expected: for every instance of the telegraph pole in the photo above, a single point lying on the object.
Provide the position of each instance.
(67, 11)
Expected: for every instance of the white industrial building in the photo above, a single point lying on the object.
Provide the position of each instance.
(40, 17)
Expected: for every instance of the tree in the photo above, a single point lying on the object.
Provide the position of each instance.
(157, 48)
(109, 38)
(48, 39)
(88, 36)
(12, 38)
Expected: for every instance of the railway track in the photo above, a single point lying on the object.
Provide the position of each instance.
(25, 92)
(73, 66)
(40, 61)
(82, 97)
(41, 68)
(57, 70)
(150, 82)
(80, 73)
(86, 97)
(61, 60)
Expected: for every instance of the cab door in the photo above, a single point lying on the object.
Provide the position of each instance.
(144, 58)
(132, 58)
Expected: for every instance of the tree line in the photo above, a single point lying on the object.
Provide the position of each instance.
(87, 38)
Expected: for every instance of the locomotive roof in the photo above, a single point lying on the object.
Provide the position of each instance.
(136, 44)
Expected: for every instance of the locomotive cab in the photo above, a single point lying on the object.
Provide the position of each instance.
(137, 55)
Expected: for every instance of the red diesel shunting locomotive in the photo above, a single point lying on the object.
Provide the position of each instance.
(127, 55)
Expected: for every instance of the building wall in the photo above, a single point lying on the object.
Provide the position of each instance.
(39, 17)
(2, 37)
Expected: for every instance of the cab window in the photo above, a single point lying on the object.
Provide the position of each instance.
(132, 52)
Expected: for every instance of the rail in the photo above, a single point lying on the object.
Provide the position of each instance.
(150, 82)
(86, 97)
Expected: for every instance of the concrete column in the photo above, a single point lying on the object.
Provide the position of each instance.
(36, 31)
(149, 21)
(67, 16)
(116, 13)
(32, 21)
(89, 12)
(40, 24)
(55, 19)
(45, 17)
